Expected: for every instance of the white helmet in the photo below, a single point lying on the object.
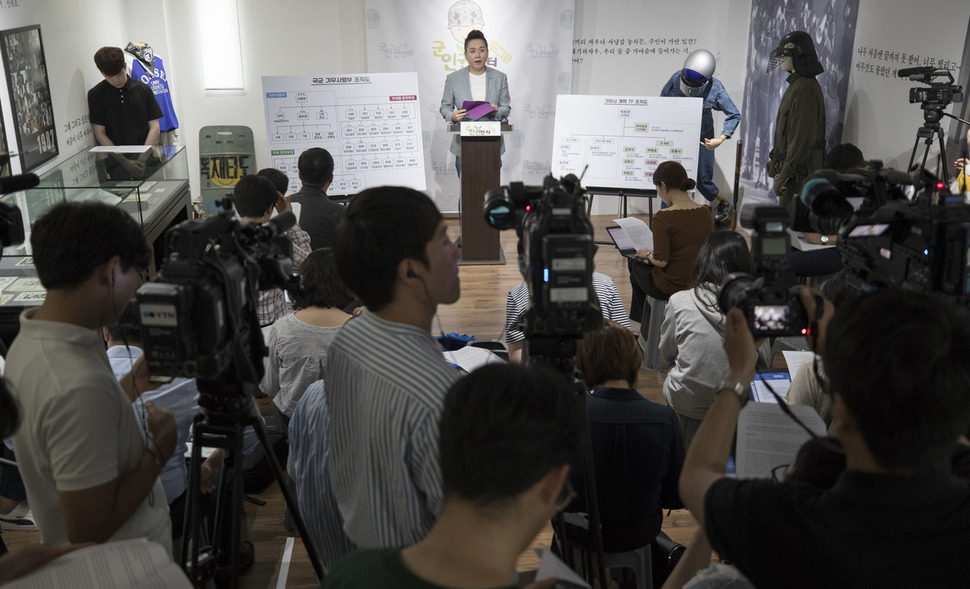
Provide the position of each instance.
(697, 72)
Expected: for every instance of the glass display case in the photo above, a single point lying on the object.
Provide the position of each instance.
(151, 184)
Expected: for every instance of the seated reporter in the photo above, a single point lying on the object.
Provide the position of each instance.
(692, 335)
(897, 373)
(678, 232)
(299, 342)
(518, 301)
(637, 447)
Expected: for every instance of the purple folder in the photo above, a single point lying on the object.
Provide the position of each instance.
(476, 109)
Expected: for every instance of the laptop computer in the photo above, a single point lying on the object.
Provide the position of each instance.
(624, 244)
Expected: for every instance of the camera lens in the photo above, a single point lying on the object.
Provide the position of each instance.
(498, 210)
(733, 290)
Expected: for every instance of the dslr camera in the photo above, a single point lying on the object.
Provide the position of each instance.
(771, 308)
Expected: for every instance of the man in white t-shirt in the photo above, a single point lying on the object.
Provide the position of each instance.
(89, 475)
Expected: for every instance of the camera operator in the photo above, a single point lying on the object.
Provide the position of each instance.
(897, 372)
(844, 158)
(255, 197)
(89, 475)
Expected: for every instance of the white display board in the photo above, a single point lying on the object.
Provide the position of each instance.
(623, 138)
(369, 123)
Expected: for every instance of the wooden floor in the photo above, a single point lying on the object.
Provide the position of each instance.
(479, 312)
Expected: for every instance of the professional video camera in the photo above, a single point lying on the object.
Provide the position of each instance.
(770, 307)
(932, 100)
(199, 319)
(825, 193)
(556, 259)
(938, 95)
(890, 240)
(199, 314)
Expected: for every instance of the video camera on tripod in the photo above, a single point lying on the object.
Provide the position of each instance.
(199, 314)
(556, 259)
(932, 100)
(938, 95)
(199, 320)
(556, 250)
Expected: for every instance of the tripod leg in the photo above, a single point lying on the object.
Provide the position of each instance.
(190, 519)
(912, 156)
(290, 503)
(944, 174)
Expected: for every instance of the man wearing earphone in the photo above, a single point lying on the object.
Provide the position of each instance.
(89, 475)
(386, 377)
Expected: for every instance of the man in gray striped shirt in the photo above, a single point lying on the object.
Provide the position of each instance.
(386, 377)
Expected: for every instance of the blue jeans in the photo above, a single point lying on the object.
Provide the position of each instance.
(705, 174)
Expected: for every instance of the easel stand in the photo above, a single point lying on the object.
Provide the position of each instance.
(480, 172)
(737, 184)
(623, 194)
(226, 432)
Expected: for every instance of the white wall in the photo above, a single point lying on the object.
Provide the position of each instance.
(71, 33)
(879, 118)
(279, 37)
(300, 37)
(720, 26)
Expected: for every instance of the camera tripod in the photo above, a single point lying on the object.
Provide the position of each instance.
(931, 126)
(222, 427)
(557, 353)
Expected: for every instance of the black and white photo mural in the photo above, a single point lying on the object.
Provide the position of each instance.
(832, 24)
(30, 95)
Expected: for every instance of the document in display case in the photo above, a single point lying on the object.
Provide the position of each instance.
(151, 186)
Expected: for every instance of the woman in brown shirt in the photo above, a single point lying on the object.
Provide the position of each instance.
(678, 232)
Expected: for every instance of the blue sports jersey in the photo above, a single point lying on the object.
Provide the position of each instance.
(158, 82)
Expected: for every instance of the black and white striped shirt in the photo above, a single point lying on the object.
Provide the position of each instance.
(386, 384)
(308, 465)
(518, 301)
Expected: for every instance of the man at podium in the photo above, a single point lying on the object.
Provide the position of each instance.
(477, 82)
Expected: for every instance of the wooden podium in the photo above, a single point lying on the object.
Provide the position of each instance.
(480, 172)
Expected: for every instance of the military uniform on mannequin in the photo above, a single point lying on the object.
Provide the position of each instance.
(799, 143)
(696, 79)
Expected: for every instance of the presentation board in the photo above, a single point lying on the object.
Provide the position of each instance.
(369, 123)
(623, 138)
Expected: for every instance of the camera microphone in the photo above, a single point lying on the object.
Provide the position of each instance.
(18, 183)
(915, 72)
(897, 177)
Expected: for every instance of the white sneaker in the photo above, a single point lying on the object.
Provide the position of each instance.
(19, 518)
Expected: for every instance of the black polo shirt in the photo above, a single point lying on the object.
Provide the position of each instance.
(869, 530)
(124, 112)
